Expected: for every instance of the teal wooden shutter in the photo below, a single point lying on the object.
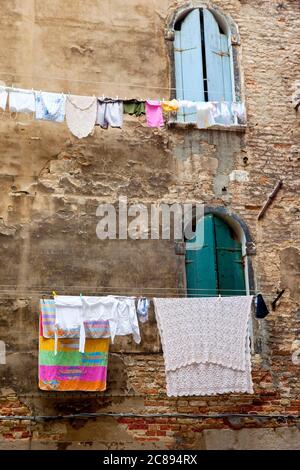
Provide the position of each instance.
(217, 266)
(218, 65)
(231, 277)
(201, 272)
(188, 64)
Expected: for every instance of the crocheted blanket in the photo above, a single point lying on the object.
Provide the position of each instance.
(206, 344)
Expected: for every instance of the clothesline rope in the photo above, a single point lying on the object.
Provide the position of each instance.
(91, 82)
(42, 288)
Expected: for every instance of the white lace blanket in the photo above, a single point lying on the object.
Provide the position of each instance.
(205, 344)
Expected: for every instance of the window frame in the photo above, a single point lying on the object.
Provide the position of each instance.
(235, 61)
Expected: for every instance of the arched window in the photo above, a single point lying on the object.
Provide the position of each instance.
(202, 53)
(214, 260)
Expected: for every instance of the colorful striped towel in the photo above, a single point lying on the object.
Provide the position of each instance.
(70, 370)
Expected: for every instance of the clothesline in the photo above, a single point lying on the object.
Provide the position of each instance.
(83, 113)
(119, 84)
(78, 287)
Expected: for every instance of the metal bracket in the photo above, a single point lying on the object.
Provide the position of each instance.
(184, 50)
(222, 53)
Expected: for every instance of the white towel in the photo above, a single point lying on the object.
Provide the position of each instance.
(22, 101)
(206, 344)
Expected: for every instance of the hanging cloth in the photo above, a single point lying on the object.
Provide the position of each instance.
(154, 114)
(3, 98)
(142, 309)
(68, 318)
(70, 370)
(22, 101)
(205, 116)
(222, 114)
(206, 344)
(50, 106)
(109, 113)
(81, 113)
(170, 106)
(93, 329)
(238, 110)
(261, 307)
(127, 322)
(134, 107)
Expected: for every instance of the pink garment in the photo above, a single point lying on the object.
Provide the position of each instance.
(154, 114)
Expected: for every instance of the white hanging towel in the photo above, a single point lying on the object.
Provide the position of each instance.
(205, 116)
(205, 344)
(22, 101)
(222, 113)
(81, 114)
(3, 98)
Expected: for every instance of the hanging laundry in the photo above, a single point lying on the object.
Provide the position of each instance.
(93, 329)
(74, 314)
(81, 113)
(70, 370)
(120, 313)
(205, 116)
(22, 101)
(222, 114)
(142, 309)
(3, 98)
(134, 107)
(50, 106)
(261, 307)
(154, 114)
(170, 106)
(127, 321)
(110, 113)
(97, 309)
(238, 110)
(206, 344)
(68, 318)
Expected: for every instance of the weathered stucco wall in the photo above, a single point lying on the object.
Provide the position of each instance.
(51, 185)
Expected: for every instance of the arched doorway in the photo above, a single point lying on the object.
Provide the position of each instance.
(215, 265)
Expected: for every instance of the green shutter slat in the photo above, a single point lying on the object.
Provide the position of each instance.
(188, 68)
(231, 277)
(201, 272)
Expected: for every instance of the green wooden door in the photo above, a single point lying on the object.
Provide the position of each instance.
(215, 266)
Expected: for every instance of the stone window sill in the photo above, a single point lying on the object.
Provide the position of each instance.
(190, 125)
